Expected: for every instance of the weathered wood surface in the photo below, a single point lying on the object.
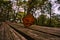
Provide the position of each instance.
(16, 34)
(35, 33)
(50, 30)
(7, 33)
(4, 33)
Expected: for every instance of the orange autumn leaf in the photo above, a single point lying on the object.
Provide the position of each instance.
(28, 20)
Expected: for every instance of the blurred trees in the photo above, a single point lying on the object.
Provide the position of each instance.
(5, 9)
(41, 20)
(30, 6)
(45, 7)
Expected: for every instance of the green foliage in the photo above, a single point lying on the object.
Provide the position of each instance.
(19, 2)
(34, 4)
(41, 20)
(21, 14)
(54, 23)
(5, 8)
